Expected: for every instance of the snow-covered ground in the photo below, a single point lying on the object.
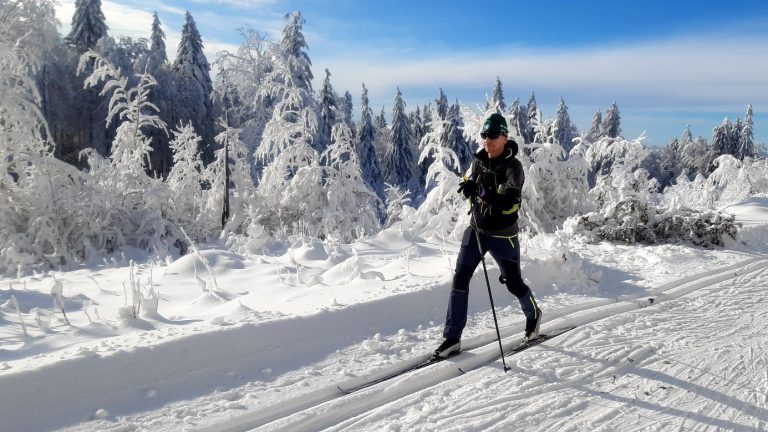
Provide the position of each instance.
(271, 340)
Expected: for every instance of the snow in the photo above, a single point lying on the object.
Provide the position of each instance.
(271, 340)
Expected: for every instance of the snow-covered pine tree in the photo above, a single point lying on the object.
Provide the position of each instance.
(427, 117)
(194, 87)
(518, 121)
(366, 152)
(611, 124)
(345, 108)
(442, 106)
(353, 208)
(532, 110)
(746, 137)
(184, 181)
(443, 206)
(721, 141)
(328, 112)
(399, 162)
(594, 130)
(292, 182)
(157, 51)
(562, 129)
(382, 135)
(497, 98)
(693, 154)
(417, 124)
(88, 25)
(453, 138)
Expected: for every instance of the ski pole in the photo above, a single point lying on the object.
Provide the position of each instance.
(490, 296)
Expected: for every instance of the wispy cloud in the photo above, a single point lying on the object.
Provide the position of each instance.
(689, 71)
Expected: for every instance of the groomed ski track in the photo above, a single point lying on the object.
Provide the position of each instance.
(334, 408)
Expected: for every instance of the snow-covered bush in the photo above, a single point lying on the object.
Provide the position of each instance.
(634, 221)
(732, 181)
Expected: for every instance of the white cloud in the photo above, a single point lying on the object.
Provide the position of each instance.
(683, 71)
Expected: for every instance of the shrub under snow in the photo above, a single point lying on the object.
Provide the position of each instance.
(633, 221)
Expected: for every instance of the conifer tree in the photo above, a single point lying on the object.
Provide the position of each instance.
(417, 124)
(518, 120)
(366, 141)
(563, 130)
(399, 160)
(427, 118)
(88, 25)
(345, 108)
(294, 45)
(328, 111)
(454, 138)
(381, 120)
(721, 139)
(442, 106)
(611, 125)
(193, 99)
(157, 50)
(594, 131)
(533, 119)
(497, 98)
(746, 137)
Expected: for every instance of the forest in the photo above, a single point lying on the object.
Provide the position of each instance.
(106, 144)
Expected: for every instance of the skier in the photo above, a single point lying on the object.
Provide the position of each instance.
(493, 185)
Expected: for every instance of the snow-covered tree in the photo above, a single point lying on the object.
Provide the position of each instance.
(562, 129)
(443, 206)
(327, 115)
(692, 154)
(244, 203)
(194, 87)
(294, 118)
(532, 110)
(345, 108)
(352, 209)
(399, 162)
(518, 120)
(624, 181)
(366, 152)
(240, 84)
(594, 130)
(611, 125)
(746, 142)
(442, 106)
(88, 25)
(292, 182)
(157, 51)
(497, 98)
(185, 177)
(142, 201)
(453, 138)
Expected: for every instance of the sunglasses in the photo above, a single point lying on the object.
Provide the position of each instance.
(489, 135)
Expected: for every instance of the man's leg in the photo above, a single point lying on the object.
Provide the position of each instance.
(466, 263)
(506, 252)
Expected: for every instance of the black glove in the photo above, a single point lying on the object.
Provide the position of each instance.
(470, 188)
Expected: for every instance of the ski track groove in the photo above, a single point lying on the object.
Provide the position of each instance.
(700, 284)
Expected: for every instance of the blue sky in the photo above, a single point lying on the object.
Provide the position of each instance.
(667, 64)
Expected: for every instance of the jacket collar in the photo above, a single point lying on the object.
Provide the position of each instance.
(510, 151)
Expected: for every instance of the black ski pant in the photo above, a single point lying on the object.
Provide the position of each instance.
(506, 252)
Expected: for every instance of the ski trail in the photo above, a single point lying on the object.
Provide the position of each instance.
(326, 408)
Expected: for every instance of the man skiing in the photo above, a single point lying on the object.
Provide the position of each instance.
(493, 186)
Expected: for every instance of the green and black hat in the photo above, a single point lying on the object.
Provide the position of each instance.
(496, 123)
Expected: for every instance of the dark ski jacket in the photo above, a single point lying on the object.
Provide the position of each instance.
(496, 212)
